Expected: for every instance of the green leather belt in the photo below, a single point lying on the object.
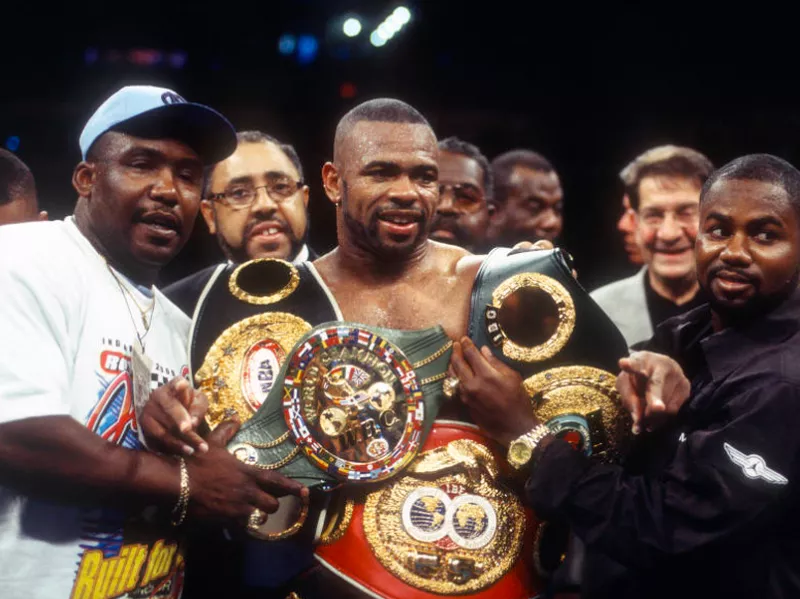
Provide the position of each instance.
(350, 403)
(529, 309)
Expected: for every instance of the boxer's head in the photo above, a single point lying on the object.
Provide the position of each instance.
(383, 178)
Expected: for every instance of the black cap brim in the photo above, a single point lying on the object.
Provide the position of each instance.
(201, 128)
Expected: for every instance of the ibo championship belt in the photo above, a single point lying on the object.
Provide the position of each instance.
(351, 403)
(447, 525)
(533, 314)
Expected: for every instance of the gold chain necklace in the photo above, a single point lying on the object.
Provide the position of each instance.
(143, 313)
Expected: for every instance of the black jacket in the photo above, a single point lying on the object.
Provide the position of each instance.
(711, 508)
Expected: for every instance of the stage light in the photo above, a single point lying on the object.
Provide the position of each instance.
(286, 44)
(347, 90)
(145, 57)
(390, 26)
(351, 27)
(12, 143)
(402, 14)
(307, 47)
(385, 31)
(376, 39)
(393, 24)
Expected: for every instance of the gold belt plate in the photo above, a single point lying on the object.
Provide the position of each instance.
(353, 403)
(243, 364)
(581, 405)
(446, 526)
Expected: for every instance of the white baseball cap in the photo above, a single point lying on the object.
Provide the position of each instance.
(160, 113)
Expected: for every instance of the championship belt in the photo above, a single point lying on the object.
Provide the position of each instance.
(529, 309)
(351, 404)
(248, 319)
(445, 526)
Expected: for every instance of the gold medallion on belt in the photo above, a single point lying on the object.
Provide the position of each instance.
(446, 526)
(242, 365)
(581, 404)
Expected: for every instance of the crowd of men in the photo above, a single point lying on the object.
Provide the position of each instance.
(709, 507)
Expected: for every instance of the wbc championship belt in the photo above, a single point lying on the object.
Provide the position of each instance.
(447, 525)
(351, 404)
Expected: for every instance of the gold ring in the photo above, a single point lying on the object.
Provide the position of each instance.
(256, 519)
(450, 386)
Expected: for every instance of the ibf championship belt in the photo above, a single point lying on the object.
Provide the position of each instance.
(446, 526)
(352, 405)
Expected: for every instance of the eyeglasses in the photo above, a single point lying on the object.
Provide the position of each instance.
(466, 197)
(242, 196)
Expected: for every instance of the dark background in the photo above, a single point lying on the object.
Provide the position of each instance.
(587, 86)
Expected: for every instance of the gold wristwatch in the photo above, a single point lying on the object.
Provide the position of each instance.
(520, 451)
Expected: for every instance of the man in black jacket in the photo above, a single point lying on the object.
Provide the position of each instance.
(712, 508)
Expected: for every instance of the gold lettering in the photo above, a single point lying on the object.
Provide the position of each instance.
(167, 555)
(150, 572)
(116, 568)
(159, 563)
(101, 584)
(137, 559)
(87, 574)
(100, 578)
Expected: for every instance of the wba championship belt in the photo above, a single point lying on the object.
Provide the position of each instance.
(445, 526)
(351, 404)
(248, 319)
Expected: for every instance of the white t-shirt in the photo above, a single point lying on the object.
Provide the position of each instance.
(66, 336)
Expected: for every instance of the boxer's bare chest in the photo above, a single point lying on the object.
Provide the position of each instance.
(414, 301)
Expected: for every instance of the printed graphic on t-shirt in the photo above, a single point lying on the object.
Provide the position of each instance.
(124, 554)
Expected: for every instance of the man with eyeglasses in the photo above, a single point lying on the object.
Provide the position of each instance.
(465, 193)
(255, 202)
(665, 195)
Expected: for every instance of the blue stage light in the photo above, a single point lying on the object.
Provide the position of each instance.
(12, 143)
(307, 48)
(286, 44)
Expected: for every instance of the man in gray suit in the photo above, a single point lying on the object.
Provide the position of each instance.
(663, 186)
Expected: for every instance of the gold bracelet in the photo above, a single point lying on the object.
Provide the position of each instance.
(180, 509)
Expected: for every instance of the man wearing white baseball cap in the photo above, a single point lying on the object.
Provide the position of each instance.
(84, 512)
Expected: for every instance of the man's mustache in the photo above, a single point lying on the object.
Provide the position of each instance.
(736, 272)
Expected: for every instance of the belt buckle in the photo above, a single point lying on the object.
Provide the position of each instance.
(446, 526)
(353, 404)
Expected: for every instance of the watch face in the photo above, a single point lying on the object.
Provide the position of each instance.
(519, 453)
